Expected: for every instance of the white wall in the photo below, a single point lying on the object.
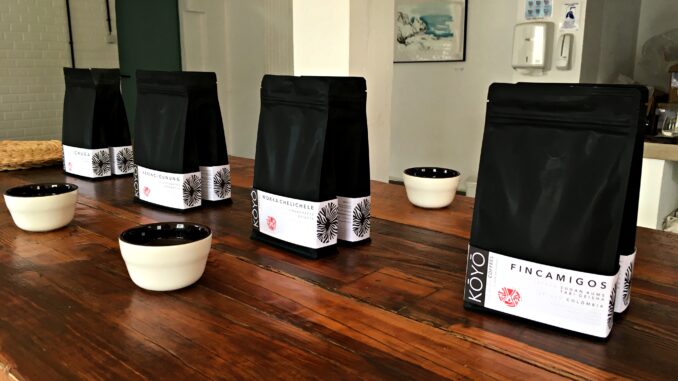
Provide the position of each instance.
(656, 17)
(351, 37)
(33, 50)
(613, 50)
(604, 46)
(203, 32)
(240, 41)
(552, 74)
(438, 109)
(90, 32)
(321, 37)
(258, 41)
(658, 192)
(355, 40)
(371, 56)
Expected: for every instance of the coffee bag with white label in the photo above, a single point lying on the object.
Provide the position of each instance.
(348, 118)
(294, 195)
(167, 171)
(553, 188)
(200, 116)
(110, 112)
(204, 116)
(84, 129)
(627, 236)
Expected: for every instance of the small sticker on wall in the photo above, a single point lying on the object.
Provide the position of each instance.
(570, 19)
(538, 9)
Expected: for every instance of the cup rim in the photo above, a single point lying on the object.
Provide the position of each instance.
(437, 170)
(64, 188)
(204, 232)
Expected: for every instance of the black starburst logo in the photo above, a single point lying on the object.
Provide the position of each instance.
(222, 183)
(192, 191)
(136, 182)
(327, 223)
(361, 218)
(101, 163)
(124, 160)
(610, 308)
(626, 293)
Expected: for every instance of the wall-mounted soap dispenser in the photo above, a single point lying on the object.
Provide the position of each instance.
(531, 45)
(564, 51)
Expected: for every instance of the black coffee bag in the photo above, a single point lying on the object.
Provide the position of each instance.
(554, 172)
(179, 128)
(110, 112)
(84, 129)
(348, 118)
(627, 236)
(167, 171)
(204, 114)
(294, 195)
(555, 179)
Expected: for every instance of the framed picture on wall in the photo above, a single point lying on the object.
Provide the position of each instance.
(430, 30)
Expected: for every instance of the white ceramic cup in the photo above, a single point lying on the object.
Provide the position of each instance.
(166, 256)
(42, 207)
(431, 187)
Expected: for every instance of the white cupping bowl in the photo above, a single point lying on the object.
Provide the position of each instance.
(166, 256)
(42, 207)
(431, 187)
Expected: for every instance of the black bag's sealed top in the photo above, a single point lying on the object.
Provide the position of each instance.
(295, 147)
(94, 113)
(312, 90)
(79, 129)
(203, 113)
(189, 80)
(554, 172)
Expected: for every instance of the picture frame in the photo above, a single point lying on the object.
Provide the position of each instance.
(430, 31)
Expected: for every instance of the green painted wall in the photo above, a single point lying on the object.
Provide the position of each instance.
(148, 38)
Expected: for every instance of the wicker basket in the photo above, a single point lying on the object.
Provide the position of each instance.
(29, 154)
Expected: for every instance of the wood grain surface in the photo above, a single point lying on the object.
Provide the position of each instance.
(391, 309)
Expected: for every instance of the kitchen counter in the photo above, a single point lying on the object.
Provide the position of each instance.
(388, 310)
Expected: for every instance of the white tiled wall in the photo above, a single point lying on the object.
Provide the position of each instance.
(34, 49)
(90, 31)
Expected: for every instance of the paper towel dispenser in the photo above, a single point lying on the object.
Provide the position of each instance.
(530, 45)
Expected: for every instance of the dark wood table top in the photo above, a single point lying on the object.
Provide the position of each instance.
(388, 310)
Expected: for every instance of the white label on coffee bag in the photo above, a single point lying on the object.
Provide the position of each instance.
(173, 190)
(623, 292)
(92, 163)
(122, 160)
(573, 300)
(304, 223)
(216, 182)
(354, 218)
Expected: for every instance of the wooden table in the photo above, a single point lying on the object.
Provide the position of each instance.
(388, 310)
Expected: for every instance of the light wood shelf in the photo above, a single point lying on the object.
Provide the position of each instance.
(661, 151)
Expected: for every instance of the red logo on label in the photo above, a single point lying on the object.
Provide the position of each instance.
(270, 221)
(147, 191)
(70, 166)
(509, 296)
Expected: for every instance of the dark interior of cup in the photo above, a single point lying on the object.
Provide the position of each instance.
(41, 190)
(165, 234)
(432, 172)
